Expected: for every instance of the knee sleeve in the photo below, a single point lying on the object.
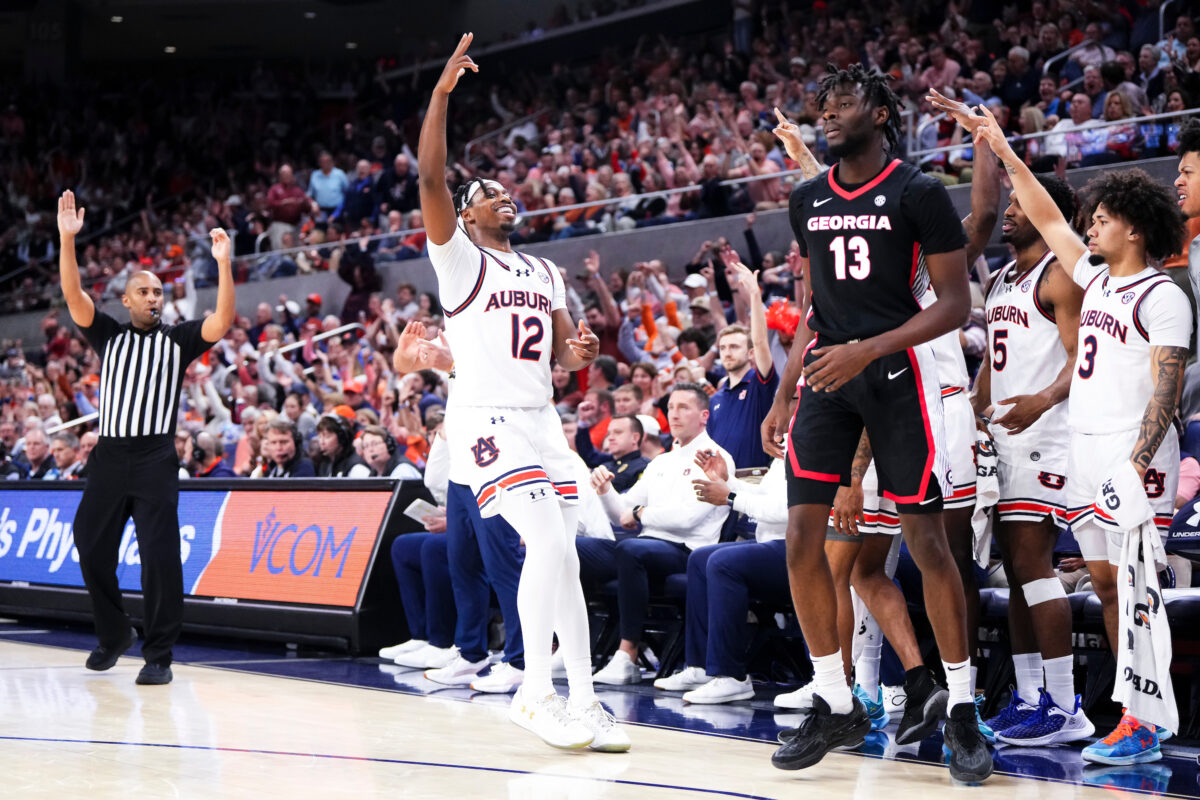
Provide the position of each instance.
(1043, 590)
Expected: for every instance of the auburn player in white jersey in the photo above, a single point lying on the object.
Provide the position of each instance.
(1134, 334)
(505, 318)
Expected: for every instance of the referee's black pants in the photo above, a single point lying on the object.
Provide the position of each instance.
(136, 478)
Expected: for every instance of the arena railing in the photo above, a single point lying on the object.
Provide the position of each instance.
(499, 132)
(287, 348)
(1066, 54)
(966, 144)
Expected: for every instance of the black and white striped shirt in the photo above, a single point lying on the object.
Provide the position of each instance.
(141, 374)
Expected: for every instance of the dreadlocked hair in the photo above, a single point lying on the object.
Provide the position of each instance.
(875, 91)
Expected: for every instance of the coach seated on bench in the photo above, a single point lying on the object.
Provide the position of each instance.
(722, 580)
(674, 522)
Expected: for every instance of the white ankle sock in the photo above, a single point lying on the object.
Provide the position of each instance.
(1028, 667)
(830, 677)
(974, 678)
(958, 681)
(866, 669)
(1060, 681)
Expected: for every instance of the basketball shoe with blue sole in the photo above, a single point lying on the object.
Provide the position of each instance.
(1131, 742)
(876, 712)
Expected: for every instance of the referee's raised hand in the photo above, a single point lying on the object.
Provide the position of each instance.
(70, 219)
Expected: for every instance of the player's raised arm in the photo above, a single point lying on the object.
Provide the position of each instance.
(1056, 230)
(437, 206)
(70, 222)
(985, 202)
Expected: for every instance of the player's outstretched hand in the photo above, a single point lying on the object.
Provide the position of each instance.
(836, 365)
(713, 492)
(220, 244)
(990, 131)
(788, 133)
(458, 64)
(587, 346)
(70, 219)
(962, 113)
(1026, 409)
(713, 465)
(847, 511)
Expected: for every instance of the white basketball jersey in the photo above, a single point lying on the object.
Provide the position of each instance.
(1120, 316)
(498, 322)
(1026, 354)
(947, 350)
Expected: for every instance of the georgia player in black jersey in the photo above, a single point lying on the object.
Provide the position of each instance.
(876, 233)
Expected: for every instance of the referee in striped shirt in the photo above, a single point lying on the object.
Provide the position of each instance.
(133, 470)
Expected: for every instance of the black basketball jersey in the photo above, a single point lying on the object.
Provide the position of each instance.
(866, 247)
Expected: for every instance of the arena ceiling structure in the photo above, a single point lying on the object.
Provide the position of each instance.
(41, 33)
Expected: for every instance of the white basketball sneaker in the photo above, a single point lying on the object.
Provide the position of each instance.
(722, 689)
(548, 718)
(801, 698)
(390, 653)
(620, 670)
(685, 680)
(608, 736)
(427, 657)
(503, 678)
(458, 672)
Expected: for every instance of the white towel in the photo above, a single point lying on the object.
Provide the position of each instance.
(1144, 655)
(1121, 503)
(987, 495)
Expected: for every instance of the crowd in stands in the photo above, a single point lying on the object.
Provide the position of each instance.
(160, 163)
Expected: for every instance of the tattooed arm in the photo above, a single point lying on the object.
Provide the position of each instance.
(1166, 364)
(847, 509)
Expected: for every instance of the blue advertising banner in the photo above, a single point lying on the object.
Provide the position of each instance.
(308, 547)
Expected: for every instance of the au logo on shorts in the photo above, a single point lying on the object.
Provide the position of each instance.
(485, 450)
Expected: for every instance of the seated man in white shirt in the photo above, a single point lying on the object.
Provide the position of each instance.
(674, 522)
(722, 578)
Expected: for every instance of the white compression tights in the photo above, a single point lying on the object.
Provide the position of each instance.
(549, 597)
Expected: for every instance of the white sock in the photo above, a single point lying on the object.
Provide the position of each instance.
(974, 679)
(958, 681)
(866, 669)
(1028, 667)
(830, 677)
(1060, 681)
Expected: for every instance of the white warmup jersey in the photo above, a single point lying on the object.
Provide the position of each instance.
(959, 416)
(1026, 354)
(498, 322)
(1121, 319)
(951, 363)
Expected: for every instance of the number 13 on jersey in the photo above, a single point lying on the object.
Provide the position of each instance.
(859, 249)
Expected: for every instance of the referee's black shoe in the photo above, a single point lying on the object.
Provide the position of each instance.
(154, 675)
(103, 657)
(970, 759)
(924, 708)
(821, 732)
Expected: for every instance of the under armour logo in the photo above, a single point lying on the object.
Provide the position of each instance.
(537, 494)
(497, 419)
(522, 272)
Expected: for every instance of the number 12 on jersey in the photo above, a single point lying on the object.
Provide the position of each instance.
(861, 250)
(527, 351)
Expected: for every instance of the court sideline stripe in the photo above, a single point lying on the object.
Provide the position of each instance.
(405, 762)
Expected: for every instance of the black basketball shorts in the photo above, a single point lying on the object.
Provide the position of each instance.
(898, 400)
